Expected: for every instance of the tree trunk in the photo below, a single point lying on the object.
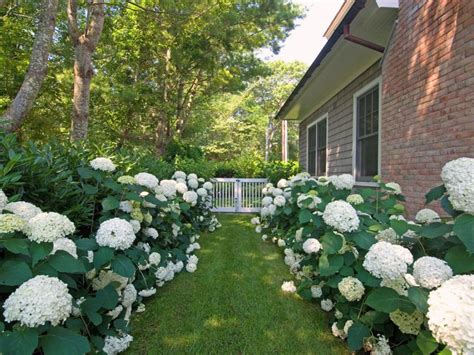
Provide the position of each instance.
(83, 72)
(25, 98)
(84, 47)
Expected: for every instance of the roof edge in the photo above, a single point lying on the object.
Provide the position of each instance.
(350, 14)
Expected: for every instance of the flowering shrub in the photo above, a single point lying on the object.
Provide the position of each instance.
(390, 285)
(77, 283)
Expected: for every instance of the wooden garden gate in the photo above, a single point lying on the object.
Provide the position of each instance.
(237, 195)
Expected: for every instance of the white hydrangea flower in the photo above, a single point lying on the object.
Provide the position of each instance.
(342, 182)
(135, 225)
(279, 201)
(10, 223)
(148, 292)
(430, 272)
(264, 237)
(327, 305)
(288, 286)
(48, 226)
(103, 164)
(37, 301)
(272, 209)
(126, 180)
(427, 215)
(311, 245)
(3, 200)
(299, 179)
(281, 243)
(267, 201)
(408, 323)
(451, 314)
(394, 188)
(151, 232)
(355, 199)
(387, 261)
(282, 183)
(190, 197)
(202, 192)
(154, 258)
(380, 346)
(388, 235)
(179, 175)
(338, 314)
(338, 333)
(129, 295)
(351, 288)
(65, 244)
(23, 209)
(207, 185)
(191, 267)
(168, 187)
(126, 206)
(115, 345)
(277, 192)
(147, 180)
(114, 313)
(299, 234)
(193, 183)
(258, 229)
(255, 221)
(115, 233)
(341, 216)
(316, 291)
(458, 178)
(181, 187)
(399, 284)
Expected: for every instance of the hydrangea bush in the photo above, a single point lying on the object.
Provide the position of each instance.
(390, 285)
(78, 284)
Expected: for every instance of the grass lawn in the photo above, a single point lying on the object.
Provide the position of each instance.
(232, 304)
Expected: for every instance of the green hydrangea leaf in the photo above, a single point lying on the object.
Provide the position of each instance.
(110, 203)
(14, 272)
(58, 339)
(464, 229)
(19, 342)
(387, 300)
(460, 260)
(356, 335)
(123, 266)
(426, 343)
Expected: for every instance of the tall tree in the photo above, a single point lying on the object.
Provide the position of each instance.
(85, 43)
(13, 117)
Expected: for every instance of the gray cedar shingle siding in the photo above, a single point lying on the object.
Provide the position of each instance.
(340, 118)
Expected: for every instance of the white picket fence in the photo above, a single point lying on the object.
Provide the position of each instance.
(237, 195)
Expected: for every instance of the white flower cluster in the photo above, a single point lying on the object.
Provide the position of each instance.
(288, 286)
(106, 277)
(10, 223)
(451, 314)
(299, 179)
(341, 216)
(103, 164)
(342, 182)
(341, 333)
(311, 245)
(151, 232)
(115, 345)
(378, 346)
(147, 180)
(458, 178)
(388, 235)
(316, 291)
(154, 258)
(327, 305)
(37, 301)
(355, 199)
(48, 226)
(3, 200)
(191, 266)
(190, 197)
(387, 261)
(431, 272)
(282, 184)
(351, 288)
(394, 188)
(65, 244)
(148, 292)
(23, 209)
(115, 233)
(427, 215)
(279, 201)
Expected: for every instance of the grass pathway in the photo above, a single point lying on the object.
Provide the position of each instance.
(232, 304)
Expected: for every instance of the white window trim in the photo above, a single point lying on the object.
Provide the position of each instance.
(319, 119)
(356, 95)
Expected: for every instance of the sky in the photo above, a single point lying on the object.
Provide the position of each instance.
(306, 40)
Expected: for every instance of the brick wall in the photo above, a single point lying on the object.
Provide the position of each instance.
(427, 94)
(339, 109)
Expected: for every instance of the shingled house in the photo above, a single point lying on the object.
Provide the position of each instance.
(390, 94)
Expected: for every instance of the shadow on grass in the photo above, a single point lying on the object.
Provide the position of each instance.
(232, 304)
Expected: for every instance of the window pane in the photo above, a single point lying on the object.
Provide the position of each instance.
(322, 134)
(368, 158)
(322, 161)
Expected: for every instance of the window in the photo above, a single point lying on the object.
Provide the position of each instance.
(317, 147)
(366, 135)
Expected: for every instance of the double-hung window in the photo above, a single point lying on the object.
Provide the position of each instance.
(317, 147)
(366, 135)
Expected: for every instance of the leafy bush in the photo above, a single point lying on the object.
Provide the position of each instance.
(176, 149)
(202, 167)
(277, 170)
(78, 283)
(389, 283)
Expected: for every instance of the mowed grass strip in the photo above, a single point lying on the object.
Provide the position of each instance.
(232, 304)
